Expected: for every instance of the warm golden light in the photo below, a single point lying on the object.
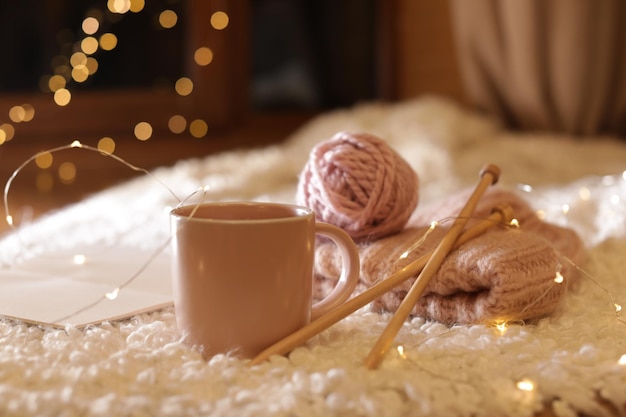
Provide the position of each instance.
(44, 182)
(198, 128)
(177, 124)
(8, 131)
(89, 45)
(118, 6)
(558, 278)
(219, 20)
(56, 82)
(44, 160)
(29, 112)
(62, 97)
(143, 131)
(137, 5)
(106, 145)
(168, 19)
(526, 385)
(184, 86)
(23, 113)
(502, 327)
(514, 223)
(90, 25)
(91, 65)
(203, 56)
(78, 58)
(3, 136)
(17, 114)
(108, 41)
(400, 350)
(80, 73)
(67, 172)
(622, 360)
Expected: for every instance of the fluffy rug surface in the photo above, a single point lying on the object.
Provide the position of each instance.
(573, 361)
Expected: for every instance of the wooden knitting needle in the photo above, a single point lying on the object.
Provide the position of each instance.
(500, 214)
(488, 176)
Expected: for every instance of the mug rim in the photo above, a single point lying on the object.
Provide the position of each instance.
(297, 212)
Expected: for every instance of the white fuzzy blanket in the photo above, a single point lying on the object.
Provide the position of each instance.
(138, 367)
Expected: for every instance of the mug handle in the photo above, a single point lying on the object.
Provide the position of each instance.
(349, 271)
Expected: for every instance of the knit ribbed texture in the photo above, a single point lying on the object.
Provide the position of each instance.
(503, 275)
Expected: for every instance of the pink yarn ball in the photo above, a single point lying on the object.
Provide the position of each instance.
(357, 182)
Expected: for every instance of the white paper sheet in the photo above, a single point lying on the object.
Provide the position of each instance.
(58, 289)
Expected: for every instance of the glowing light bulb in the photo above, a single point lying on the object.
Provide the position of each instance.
(113, 294)
(514, 223)
(558, 278)
(584, 193)
(526, 385)
(400, 350)
(502, 327)
(622, 360)
(618, 308)
(565, 208)
(76, 144)
(79, 259)
(9, 219)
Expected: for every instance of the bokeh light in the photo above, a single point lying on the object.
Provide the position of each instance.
(137, 5)
(91, 65)
(177, 124)
(23, 113)
(44, 160)
(56, 82)
(106, 145)
(108, 41)
(90, 25)
(203, 56)
(219, 20)
(198, 128)
(184, 86)
(143, 131)
(67, 172)
(89, 45)
(168, 19)
(118, 6)
(8, 131)
(78, 58)
(62, 97)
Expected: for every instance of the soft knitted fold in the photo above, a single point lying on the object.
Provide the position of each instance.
(506, 274)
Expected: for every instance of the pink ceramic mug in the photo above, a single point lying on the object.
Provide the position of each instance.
(242, 273)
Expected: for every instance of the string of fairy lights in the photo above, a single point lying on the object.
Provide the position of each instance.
(83, 63)
(527, 386)
(76, 64)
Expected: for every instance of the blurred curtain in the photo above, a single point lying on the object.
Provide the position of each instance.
(557, 65)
